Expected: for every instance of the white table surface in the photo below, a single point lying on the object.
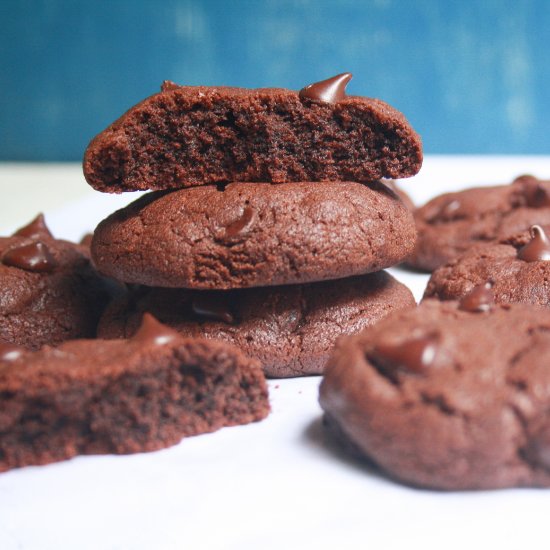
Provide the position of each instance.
(271, 485)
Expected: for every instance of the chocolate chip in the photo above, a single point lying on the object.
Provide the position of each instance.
(413, 355)
(538, 248)
(153, 331)
(34, 256)
(37, 229)
(480, 299)
(237, 226)
(331, 90)
(213, 306)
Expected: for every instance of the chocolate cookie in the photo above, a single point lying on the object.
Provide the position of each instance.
(49, 290)
(193, 135)
(450, 224)
(290, 329)
(448, 395)
(517, 270)
(254, 234)
(122, 396)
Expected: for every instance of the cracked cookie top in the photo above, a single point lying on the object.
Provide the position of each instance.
(448, 395)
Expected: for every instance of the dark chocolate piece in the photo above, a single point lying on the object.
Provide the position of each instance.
(331, 90)
(213, 306)
(415, 355)
(37, 229)
(538, 249)
(34, 256)
(237, 226)
(480, 299)
(153, 332)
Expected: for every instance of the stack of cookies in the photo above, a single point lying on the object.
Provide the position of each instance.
(267, 224)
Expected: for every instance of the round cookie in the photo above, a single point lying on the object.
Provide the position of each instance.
(448, 395)
(194, 135)
(290, 329)
(450, 224)
(517, 270)
(49, 290)
(254, 234)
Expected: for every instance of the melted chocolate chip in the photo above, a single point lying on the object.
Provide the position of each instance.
(536, 194)
(151, 331)
(37, 229)
(34, 256)
(331, 90)
(237, 226)
(213, 306)
(9, 351)
(480, 299)
(538, 248)
(412, 355)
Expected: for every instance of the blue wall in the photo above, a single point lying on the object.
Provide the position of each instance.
(472, 77)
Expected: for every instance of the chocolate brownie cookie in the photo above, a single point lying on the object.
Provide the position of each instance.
(49, 290)
(451, 223)
(448, 395)
(290, 329)
(193, 135)
(122, 396)
(254, 234)
(517, 270)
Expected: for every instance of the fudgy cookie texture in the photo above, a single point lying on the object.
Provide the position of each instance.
(254, 234)
(516, 269)
(49, 290)
(450, 224)
(193, 135)
(291, 329)
(448, 395)
(122, 396)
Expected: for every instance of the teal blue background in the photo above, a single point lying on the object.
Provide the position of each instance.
(472, 77)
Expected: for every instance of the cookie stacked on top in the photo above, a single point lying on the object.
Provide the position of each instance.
(267, 225)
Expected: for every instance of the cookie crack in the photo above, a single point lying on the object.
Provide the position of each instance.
(440, 402)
